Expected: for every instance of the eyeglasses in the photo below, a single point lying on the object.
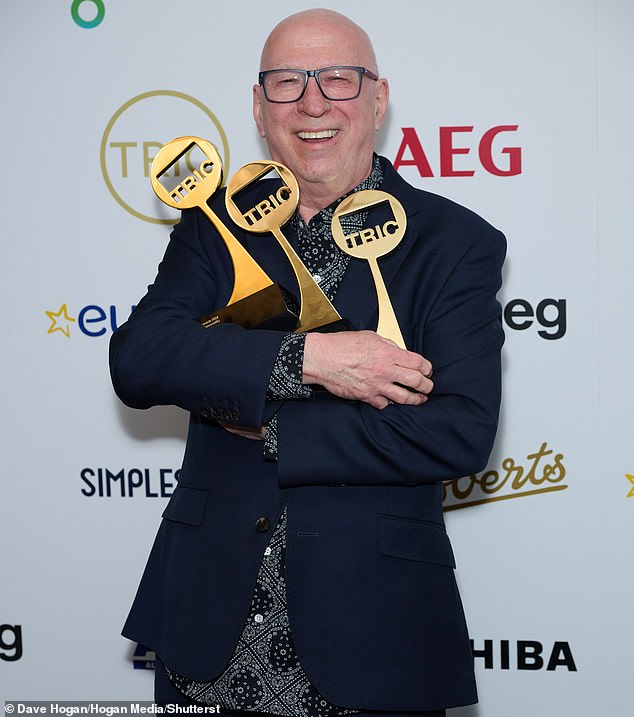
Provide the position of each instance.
(335, 83)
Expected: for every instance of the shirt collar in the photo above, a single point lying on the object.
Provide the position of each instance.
(372, 181)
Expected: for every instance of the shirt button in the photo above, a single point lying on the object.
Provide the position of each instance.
(262, 525)
(267, 551)
(317, 278)
(259, 618)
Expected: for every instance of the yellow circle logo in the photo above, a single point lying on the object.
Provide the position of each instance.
(135, 134)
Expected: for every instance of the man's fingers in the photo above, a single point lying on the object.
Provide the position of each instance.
(404, 396)
(415, 381)
(415, 362)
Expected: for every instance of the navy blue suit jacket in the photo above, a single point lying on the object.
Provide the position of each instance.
(372, 600)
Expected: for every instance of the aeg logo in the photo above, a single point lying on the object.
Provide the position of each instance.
(500, 161)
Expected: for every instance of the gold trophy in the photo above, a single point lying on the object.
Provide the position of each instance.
(269, 215)
(371, 243)
(256, 301)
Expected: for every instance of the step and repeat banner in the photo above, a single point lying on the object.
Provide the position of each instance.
(518, 111)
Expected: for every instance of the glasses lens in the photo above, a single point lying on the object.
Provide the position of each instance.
(336, 83)
(340, 83)
(284, 85)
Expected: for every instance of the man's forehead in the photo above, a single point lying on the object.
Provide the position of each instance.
(302, 41)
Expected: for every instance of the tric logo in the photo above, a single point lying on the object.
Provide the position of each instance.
(136, 132)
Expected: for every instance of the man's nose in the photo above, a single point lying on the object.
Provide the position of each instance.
(313, 101)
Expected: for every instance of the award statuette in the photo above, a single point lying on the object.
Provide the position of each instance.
(370, 244)
(269, 215)
(256, 301)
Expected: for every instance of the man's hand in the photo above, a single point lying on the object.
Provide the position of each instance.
(364, 366)
(255, 433)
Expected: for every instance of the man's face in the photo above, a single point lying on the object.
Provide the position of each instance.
(327, 144)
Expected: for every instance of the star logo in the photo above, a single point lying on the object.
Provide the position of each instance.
(631, 480)
(60, 321)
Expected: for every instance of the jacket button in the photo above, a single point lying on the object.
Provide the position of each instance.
(262, 525)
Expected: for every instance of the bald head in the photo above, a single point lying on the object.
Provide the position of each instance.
(327, 144)
(306, 31)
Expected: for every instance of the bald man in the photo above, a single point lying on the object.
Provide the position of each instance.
(302, 566)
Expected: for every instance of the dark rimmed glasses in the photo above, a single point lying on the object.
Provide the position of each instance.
(335, 83)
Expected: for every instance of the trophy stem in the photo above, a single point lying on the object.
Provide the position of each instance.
(316, 309)
(249, 278)
(387, 324)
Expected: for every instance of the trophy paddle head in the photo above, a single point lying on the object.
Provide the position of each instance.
(196, 187)
(374, 241)
(269, 213)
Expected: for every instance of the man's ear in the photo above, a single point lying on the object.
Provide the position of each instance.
(382, 97)
(257, 109)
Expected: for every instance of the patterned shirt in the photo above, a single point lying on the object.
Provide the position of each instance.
(264, 674)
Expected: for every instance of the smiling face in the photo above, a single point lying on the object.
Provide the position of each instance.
(327, 144)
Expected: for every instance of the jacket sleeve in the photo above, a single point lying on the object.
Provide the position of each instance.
(163, 356)
(332, 441)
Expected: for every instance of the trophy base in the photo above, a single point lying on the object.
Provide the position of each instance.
(265, 309)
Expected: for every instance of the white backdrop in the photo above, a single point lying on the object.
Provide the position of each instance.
(543, 538)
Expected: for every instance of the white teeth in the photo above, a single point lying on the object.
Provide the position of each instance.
(324, 134)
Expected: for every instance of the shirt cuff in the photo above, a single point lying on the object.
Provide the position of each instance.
(286, 377)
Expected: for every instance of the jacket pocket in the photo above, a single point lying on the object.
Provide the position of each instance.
(415, 540)
(187, 505)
